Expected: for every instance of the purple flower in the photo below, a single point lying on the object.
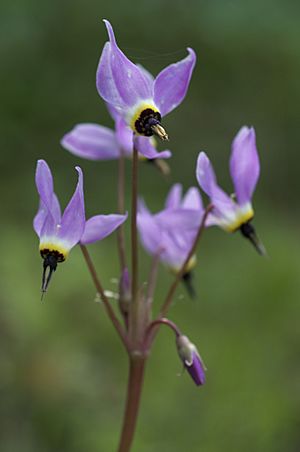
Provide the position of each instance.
(169, 233)
(191, 359)
(96, 142)
(59, 233)
(234, 212)
(140, 99)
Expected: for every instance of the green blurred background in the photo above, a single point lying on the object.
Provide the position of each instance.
(62, 370)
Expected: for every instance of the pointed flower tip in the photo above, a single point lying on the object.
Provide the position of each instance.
(192, 54)
(110, 31)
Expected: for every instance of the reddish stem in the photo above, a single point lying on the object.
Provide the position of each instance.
(104, 298)
(134, 390)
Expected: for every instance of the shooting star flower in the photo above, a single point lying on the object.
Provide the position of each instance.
(234, 212)
(141, 100)
(59, 233)
(95, 142)
(170, 232)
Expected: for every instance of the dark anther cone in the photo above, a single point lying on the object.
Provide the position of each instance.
(50, 263)
(187, 280)
(248, 231)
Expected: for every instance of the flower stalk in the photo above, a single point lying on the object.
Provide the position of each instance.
(134, 312)
(98, 285)
(169, 298)
(121, 209)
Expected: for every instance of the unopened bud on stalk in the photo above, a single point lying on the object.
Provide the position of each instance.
(191, 359)
(125, 293)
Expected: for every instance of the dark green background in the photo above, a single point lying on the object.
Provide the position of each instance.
(62, 371)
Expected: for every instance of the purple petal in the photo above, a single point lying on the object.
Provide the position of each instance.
(174, 197)
(49, 228)
(113, 111)
(171, 84)
(44, 184)
(119, 81)
(43, 212)
(147, 74)
(193, 200)
(49, 205)
(244, 164)
(145, 147)
(124, 136)
(179, 219)
(149, 231)
(196, 370)
(208, 182)
(100, 226)
(92, 141)
(73, 220)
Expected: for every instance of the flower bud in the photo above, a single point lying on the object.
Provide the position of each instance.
(125, 293)
(191, 359)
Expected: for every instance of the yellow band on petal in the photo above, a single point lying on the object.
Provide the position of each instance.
(243, 216)
(60, 252)
(140, 114)
(191, 264)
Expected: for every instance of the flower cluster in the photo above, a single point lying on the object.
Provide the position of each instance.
(137, 102)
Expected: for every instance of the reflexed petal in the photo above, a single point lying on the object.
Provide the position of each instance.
(113, 111)
(205, 174)
(92, 141)
(145, 147)
(171, 84)
(193, 200)
(42, 213)
(48, 229)
(100, 226)
(105, 82)
(149, 231)
(73, 220)
(207, 180)
(174, 197)
(119, 81)
(147, 74)
(124, 136)
(44, 184)
(244, 164)
(180, 219)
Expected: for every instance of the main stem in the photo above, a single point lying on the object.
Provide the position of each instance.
(134, 390)
(134, 312)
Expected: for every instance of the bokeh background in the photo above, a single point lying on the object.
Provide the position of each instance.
(62, 371)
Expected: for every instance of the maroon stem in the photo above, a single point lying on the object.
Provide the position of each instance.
(179, 275)
(134, 390)
(134, 312)
(153, 325)
(104, 298)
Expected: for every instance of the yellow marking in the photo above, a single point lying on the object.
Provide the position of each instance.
(54, 247)
(241, 218)
(143, 106)
(190, 265)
